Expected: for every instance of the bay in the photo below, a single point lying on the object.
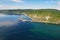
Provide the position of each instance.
(27, 30)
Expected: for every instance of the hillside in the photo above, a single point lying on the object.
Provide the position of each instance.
(40, 15)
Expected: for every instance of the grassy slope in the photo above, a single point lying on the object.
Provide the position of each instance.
(43, 13)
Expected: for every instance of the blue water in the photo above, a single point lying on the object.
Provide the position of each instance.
(28, 30)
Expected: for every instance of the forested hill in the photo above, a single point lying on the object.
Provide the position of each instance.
(40, 15)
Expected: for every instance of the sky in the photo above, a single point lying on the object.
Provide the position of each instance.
(29, 4)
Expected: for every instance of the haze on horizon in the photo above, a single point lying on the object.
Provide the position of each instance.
(29, 4)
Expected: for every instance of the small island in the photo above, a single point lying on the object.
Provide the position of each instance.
(37, 15)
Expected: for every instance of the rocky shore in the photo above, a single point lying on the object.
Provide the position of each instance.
(46, 19)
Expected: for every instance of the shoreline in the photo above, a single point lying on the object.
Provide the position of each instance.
(45, 22)
(45, 19)
(38, 20)
(48, 22)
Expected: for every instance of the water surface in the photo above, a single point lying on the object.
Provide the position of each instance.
(28, 30)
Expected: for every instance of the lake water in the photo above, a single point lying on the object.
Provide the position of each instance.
(19, 30)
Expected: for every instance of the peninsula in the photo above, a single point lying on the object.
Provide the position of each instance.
(37, 15)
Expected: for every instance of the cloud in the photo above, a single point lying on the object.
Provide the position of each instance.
(51, 1)
(58, 5)
(18, 1)
(2, 7)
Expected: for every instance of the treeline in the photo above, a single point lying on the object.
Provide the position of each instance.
(51, 12)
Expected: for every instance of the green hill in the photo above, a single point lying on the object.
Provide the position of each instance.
(40, 15)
